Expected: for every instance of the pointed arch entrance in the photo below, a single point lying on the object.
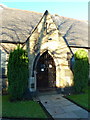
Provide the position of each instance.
(46, 72)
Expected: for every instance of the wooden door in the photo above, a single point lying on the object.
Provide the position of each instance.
(46, 71)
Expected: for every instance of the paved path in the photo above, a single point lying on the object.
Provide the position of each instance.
(59, 107)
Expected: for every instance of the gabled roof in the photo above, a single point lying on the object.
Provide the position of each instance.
(64, 37)
(16, 28)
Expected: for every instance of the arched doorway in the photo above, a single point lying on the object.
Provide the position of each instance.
(46, 72)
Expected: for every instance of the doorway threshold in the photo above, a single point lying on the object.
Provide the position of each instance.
(47, 91)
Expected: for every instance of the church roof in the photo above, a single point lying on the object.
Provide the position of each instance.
(18, 25)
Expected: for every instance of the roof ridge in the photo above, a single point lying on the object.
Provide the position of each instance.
(23, 10)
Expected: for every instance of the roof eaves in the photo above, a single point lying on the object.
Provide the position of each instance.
(72, 46)
(11, 42)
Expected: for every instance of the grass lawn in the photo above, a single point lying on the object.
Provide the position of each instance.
(23, 109)
(81, 99)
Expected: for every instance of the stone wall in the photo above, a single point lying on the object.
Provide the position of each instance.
(47, 37)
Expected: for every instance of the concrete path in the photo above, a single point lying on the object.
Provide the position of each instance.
(59, 107)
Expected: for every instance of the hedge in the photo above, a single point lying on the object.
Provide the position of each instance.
(18, 73)
(81, 70)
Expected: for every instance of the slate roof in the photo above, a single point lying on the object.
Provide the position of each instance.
(17, 26)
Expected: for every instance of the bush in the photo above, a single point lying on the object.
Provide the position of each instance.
(81, 70)
(17, 73)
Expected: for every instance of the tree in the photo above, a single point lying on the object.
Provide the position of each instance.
(17, 73)
(81, 70)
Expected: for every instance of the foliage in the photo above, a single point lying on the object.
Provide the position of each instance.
(17, 73)
(81, 70)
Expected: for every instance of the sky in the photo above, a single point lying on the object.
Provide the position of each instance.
(71, 9)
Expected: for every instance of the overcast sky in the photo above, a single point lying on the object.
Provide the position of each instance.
(75, 9)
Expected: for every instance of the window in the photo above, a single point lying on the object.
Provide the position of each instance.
(68, 56)
(72, 62)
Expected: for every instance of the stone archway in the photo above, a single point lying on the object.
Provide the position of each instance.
(46, 72)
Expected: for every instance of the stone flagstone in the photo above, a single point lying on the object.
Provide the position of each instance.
(59, 107)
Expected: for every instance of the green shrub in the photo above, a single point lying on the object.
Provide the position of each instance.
(17, 73)
(81, 70)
